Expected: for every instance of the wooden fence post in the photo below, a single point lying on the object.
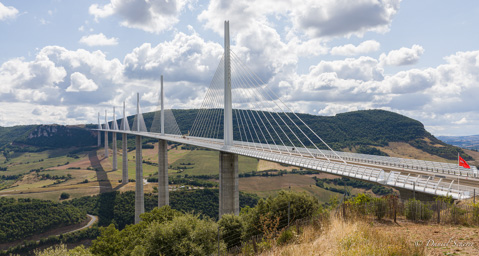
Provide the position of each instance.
(394, 207)
(255, 248)
(438, 212)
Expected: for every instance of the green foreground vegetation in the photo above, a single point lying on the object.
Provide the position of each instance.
(287, 219)
(25, 217)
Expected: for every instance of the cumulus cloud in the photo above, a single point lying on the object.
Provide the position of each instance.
(151, 16)
(362, 68)
(57, 72)
(350, 50)
(462, 121)
(343, 17)
(98, 40)
(403, 56)
(184, 58)
(80, 82)
(436, 96)
(315, 18)
(7, 12)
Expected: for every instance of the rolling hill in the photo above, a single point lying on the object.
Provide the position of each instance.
(365, 131)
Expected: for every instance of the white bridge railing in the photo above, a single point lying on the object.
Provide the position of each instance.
(395, 179)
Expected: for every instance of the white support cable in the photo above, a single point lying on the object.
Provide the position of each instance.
(254, 129)
(257, 124)
(207, 119)
(212, 116)
(215, 109)
(294, 122)
(235, 114)
(260, 101)
(203, 106)
(294, 146)
(250, 71)
(243, 120)
(252, 124)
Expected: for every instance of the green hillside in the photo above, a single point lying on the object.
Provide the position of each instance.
(9, 134)
(358, 129)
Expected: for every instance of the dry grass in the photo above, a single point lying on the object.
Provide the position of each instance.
(348, 238)
(267, 165)
(404, 150)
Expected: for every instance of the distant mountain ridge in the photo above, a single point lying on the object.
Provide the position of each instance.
(468, 142)
(352, 130)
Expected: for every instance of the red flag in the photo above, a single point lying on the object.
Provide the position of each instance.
(463, 163)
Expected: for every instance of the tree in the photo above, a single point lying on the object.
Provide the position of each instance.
(163, 231)
(64, 196)
(232, 229)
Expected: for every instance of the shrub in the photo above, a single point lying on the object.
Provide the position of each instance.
(358, 203)
(184, 235)
(458, 215)
(274, 210)
(64, 196)
(379, 207)
(285, 237)
(232, 229)
(475, 213)
(416, 210)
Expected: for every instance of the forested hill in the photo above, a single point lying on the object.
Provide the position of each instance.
(358, 129)
(39, 137)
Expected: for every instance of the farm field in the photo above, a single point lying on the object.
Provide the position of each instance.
(91, 173)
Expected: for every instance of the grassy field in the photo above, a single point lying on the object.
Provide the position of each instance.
(268, 186)
(199, 162)
(93, 167)
(404, 150)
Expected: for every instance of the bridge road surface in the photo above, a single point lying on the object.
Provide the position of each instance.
(259, 151)
(466, 181)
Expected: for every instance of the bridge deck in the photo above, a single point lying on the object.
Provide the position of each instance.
(315, 161)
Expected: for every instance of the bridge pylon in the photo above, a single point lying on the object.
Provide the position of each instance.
(139, 196)
(229, 191)
(99, 132)
(114, 126)
(163, 193)
(106, 134)
(124, 127)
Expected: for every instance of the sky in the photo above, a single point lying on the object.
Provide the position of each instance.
(63, 61)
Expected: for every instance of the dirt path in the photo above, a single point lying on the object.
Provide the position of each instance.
(93, 220)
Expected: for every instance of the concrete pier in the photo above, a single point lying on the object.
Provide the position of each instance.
(124, 170)
(115, 160)
(229, 191)
(99, 132)
(163, 194)
(106, 144)
(139, 195)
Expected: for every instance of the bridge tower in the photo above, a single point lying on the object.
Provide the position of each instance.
(99, 132)
(106, 135)
(163, 193)
(114, 126)
(124, 127)
(229, 191)
(139, 196)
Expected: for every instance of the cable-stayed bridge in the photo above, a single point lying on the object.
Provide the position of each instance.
(241, 115)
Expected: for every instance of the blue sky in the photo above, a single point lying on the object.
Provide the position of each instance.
(64, 61)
